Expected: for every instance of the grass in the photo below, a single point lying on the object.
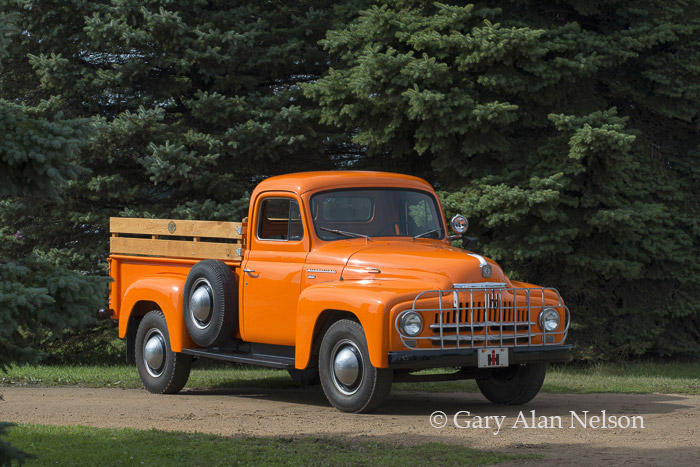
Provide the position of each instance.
(639, 377)
(78, 445)
(629, 378)
(123, 376)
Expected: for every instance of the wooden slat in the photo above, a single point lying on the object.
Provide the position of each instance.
(174, 248)
(182, 228)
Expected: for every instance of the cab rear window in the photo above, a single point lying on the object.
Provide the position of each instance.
(345, 208)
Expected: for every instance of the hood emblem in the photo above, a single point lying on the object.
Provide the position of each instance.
(486, 269)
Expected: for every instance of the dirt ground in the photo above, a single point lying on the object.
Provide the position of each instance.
(670, 433)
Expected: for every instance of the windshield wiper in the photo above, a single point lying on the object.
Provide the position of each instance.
(427, 233)
(347, 234)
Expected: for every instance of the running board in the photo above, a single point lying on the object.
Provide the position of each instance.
(272, 361)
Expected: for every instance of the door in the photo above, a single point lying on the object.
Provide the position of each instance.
(272, 272)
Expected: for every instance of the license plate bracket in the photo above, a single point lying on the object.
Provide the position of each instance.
(493, 358)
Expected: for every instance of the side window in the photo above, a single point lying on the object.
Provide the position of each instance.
(280, 219)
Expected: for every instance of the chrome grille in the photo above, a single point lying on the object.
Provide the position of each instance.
(484, 315)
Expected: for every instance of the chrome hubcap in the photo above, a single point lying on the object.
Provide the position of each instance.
(201, 303)
(346, 367)
(154, 353)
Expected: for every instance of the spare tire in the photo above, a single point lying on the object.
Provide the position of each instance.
(210, 303)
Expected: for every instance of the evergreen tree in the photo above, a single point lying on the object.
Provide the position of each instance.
(40, 296)
(566, 131)
(29, 162)
(194, 102)
(190, 104)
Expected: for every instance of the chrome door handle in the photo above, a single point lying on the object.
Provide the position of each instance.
(249, 270)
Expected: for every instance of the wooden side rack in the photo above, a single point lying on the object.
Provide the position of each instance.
(176, 238)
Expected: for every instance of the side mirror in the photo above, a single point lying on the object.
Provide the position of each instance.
(459, 225)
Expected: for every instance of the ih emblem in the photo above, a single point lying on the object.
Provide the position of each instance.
(171, 227)
(495, 359)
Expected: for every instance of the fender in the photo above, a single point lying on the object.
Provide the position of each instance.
(166, 291)
(370, 301)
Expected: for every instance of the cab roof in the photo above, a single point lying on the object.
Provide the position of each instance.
(303, 182)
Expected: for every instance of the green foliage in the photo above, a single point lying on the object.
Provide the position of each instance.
(29, 161)
(41, 299)
(141, 109)
(566, 132)
(94, 344)
(192, 103)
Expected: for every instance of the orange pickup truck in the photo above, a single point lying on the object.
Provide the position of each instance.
(347, 278)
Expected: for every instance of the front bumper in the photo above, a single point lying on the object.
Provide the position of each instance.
(422, 359)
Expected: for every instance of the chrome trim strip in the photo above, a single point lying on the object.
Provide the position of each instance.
(492, 337)
(482, 261)
(480, 324)
(329, 271)
(481, 285)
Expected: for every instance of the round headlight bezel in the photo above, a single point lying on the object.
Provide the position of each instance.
(404, 323)
(547, 317)
(459, 224)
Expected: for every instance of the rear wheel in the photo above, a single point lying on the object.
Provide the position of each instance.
(349, 380)
(514, 385)
(162, 371)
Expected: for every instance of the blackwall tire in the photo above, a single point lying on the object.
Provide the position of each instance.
(349, 381)
(210, 304)
(161, 370)
(514, 385)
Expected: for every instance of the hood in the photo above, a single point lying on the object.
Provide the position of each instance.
(435, 264)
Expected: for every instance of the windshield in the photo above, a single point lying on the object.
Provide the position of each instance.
(375, 213)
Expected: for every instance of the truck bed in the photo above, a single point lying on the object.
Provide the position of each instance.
(148, 249)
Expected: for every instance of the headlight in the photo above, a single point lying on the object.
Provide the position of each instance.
(549, 320)
(411, 324)
(459, 224)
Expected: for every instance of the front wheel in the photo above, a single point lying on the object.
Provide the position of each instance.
(514, 385)
(349, 380)
(162, 371)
